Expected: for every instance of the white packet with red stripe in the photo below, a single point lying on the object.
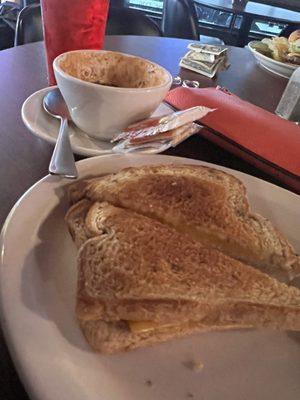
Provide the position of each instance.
(159, 133)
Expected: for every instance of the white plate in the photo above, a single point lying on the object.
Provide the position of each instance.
(46, 127)
(279, 68)
(38, 278)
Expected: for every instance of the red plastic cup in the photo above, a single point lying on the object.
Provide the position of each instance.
(72, 25)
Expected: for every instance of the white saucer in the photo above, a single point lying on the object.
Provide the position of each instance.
(46, 127)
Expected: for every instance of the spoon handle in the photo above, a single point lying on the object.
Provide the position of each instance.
(62, 161)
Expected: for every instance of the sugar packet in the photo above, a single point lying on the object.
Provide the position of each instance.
(156, 134)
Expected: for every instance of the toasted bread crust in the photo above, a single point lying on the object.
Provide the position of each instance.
(114, 337)
(75, 219)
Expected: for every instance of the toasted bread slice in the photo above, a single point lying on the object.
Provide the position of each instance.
(208, 205)
(75, 219)
(137, 269)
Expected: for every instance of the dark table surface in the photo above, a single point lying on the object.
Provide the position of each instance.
(24, 158)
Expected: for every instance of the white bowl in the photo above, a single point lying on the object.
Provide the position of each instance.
(102, 111)
(277, 67)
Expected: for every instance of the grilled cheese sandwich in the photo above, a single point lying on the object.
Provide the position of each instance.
(160, 251)
(142, 282)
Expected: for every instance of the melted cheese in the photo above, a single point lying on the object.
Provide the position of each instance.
(137, 327)
(146, 326)
(220, 242)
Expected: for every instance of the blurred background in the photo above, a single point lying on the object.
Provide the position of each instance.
(214, 19)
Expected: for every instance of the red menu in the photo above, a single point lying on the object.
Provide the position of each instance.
(72, 25)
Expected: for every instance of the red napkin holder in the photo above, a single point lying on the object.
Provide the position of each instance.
(261, 138)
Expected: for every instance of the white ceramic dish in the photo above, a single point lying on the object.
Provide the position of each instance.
(38, 278)
(279, 68)
(46, 127)
(102, 111)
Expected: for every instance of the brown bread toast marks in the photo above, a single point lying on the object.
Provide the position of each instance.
(138, 268)
(204, 203)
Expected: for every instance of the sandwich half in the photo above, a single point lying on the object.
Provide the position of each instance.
(142, 282)
(208, 205)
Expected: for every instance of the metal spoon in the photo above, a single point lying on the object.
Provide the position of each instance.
(62, 161)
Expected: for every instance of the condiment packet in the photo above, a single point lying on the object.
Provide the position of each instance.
(155, 125)
(163, 141)
(157, 134)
